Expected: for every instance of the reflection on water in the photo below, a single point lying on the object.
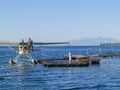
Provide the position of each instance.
(24, 65)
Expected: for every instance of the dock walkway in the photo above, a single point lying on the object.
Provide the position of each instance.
(78, 60)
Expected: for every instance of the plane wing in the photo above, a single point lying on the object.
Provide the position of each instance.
(34, 43)
(9, 43)
(48, 43)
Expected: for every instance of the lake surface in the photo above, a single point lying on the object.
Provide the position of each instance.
(105, 76)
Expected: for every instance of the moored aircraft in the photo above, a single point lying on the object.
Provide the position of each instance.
(26, 47)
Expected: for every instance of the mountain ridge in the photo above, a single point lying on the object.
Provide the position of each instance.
(93, 41)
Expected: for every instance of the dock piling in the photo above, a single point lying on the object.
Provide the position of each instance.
(70, 58)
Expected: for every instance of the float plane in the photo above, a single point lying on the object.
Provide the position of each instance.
(26, 47)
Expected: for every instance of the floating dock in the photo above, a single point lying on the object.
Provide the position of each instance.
(63, 63)
(82, 58)
(76, 57)
(76, 62)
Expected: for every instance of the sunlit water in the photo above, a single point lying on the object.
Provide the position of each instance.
(26, 76)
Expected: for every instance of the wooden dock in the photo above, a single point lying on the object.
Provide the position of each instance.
(76, 57)
(102, 55)
(63, 63)
(78, 62)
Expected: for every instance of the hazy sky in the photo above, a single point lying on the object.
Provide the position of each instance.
(59, 20)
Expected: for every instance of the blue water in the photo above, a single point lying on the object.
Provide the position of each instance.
(105, 76)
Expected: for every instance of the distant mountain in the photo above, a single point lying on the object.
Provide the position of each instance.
(93, 41)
